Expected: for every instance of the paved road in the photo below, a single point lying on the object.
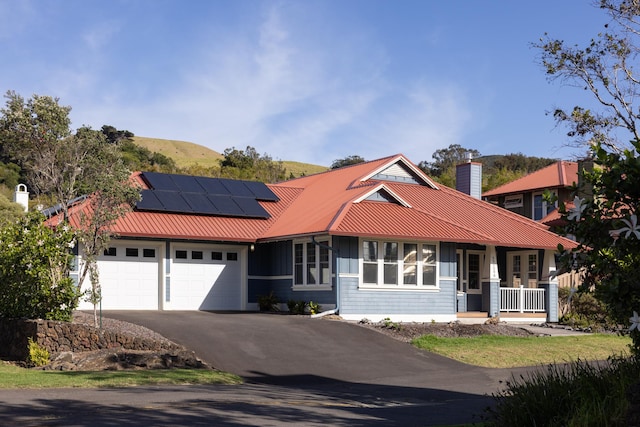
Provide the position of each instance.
(299, 371)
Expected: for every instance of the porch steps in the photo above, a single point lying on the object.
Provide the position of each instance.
(478, 317)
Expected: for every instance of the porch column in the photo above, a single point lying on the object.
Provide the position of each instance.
(491, 283)
(549, 282)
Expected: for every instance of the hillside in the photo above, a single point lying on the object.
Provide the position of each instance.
(187, 154)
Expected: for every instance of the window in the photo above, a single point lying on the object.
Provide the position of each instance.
(132, 252)
(149, 253)
(311, 264)
(474, 271)
(196, 254)
(110, 252)
(232, 256)
(181, 254)
(541, 207)
(524, 269)
(398, 264)
(216, 256)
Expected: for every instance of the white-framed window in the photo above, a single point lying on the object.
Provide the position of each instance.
(474, 271)
(511, 202)
(311, 264)
(523, 269)
(396, 264)
(541, 207)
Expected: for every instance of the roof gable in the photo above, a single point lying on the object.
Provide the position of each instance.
(399, 169)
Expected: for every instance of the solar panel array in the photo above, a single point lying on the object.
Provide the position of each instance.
(204, 196)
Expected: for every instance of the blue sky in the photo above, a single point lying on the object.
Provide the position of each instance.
(310, 81)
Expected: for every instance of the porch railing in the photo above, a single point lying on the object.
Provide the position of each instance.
(522, 300)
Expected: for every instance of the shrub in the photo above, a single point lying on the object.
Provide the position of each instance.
(314, 307)
(38, 355)
(578, 394)
(34, 266)
(296, 307)
(583, 310)
(268, 302)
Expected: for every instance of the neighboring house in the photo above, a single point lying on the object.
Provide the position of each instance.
(373, 240)
(524, 196)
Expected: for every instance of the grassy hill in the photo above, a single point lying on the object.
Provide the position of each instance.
(187, 154)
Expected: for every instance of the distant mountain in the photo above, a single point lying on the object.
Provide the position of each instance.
(187, 154)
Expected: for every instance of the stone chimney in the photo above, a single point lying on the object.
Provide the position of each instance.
(21, 196)
(469, 177)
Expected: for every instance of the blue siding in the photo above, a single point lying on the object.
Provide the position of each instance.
(271, 259)
(348, 253)
(448, 259)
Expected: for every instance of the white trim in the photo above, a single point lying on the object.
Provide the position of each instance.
(298, 288)
(513, 201)
(388, 190)
(418, 318)
(524, 268)
(481, 255)
(402, 288)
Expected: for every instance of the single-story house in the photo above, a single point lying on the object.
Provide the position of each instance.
(374, 240)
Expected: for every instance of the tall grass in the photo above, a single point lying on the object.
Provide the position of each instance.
(578, 394)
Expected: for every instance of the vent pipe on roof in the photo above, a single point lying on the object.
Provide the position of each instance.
(469, 177)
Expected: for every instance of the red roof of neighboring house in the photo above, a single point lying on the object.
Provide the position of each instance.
(558, 175)
(355, 201)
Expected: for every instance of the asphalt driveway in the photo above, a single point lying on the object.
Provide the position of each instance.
(331, 360)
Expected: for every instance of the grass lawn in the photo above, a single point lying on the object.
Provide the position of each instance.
(494, 351)
(12, 376)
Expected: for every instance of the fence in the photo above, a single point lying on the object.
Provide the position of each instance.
(522, 300)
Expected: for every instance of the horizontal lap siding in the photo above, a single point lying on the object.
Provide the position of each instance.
(357, 301)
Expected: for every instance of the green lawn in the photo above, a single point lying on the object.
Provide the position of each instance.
(495, 351)
(12, 376)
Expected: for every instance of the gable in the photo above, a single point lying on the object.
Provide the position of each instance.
(400, 170)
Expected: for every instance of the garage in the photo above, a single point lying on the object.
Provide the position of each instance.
(205, 277)
(129, 277)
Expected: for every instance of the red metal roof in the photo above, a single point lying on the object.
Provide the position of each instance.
(336, 202)
(558, 175)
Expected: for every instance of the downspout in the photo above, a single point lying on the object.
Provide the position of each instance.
(337, 253)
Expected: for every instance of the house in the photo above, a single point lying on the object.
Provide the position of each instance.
(373, 240)
(524, 196)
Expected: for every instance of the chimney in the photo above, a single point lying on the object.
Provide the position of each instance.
(21, 196)
(469, 177)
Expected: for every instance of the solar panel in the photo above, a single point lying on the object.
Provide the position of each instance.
(149, 202)
(212, 185)
(204, 196)
(237, 188)
(226, 205)
(173, 201)
(160, 181)
(187, 183)
(261, 191)
(251, 207)
(200, 203)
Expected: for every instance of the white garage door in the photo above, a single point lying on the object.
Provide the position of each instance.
(128, 277)
(205, 278)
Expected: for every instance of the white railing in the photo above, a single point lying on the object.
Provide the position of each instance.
(522, 300)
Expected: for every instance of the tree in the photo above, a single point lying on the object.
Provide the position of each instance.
(68, 165)
(446, 159)
(250, 165)
(347, 161)
(605, 67)
(604, 215)
(114, 136)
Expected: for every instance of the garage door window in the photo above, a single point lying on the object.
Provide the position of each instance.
(196, 254)
(149, 253)
(232, 256)
(132, 252)
(216, 256)
(181, 254)
(110, 252)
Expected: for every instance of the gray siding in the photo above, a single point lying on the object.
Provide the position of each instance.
(271, 259)
(348, 254)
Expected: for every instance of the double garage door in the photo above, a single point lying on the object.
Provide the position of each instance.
(136, 276)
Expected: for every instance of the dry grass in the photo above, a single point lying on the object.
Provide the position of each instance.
(183, 153)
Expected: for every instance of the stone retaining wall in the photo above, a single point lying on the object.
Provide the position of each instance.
(58, 336)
